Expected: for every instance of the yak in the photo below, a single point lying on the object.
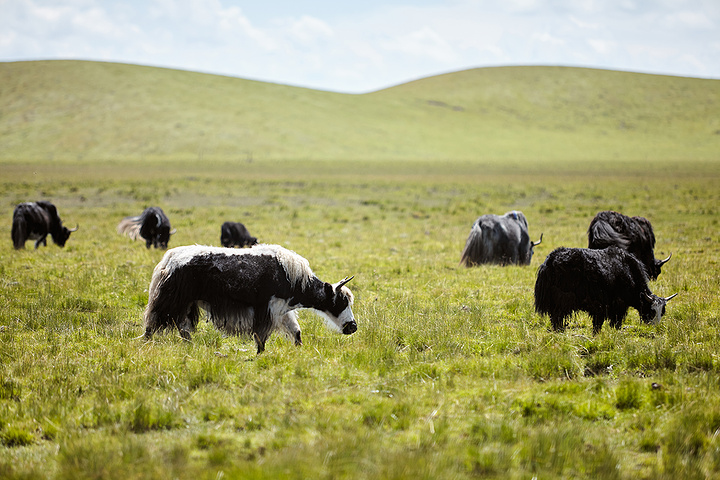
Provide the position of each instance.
(252, 291)
(634, 234)
(35, 221)
(604, 283)
(233, 234)
(152, 225)
(499, 239)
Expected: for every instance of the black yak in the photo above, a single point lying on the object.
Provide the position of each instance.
(152, 225)
(35, 221)
(604, 283)
(634, 234)
(233, 234)
(503, 240)
(252, 291)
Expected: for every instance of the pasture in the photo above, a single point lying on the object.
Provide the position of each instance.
(451, 373)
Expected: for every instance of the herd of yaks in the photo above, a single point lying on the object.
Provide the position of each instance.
(255, 291)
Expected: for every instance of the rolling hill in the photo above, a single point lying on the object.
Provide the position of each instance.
(77, 110)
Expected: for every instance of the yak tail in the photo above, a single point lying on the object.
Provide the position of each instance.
(19, 232)
(473, 251)
(602, 235)
(542, 285)
(130, 226)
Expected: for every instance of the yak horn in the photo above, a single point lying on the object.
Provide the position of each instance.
(667, 299)
(663, 262)
(343, 282)
(173, 231)
(535, 244)
(77, 225)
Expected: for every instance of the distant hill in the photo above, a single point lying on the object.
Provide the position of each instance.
(67, 110)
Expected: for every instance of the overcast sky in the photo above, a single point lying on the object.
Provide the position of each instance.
(361, 46)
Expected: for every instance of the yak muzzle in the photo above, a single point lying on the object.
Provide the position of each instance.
(349, 328)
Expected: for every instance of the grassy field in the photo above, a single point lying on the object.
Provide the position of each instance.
(451, 374)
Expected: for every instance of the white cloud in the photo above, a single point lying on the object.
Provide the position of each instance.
(424, 42)
(308, 30)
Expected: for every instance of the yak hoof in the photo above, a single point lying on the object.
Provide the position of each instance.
(298, 339)
(260, 343)
(185, 335)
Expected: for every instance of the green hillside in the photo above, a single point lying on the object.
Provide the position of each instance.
(71, 110)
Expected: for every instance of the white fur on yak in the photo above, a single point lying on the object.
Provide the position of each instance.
(244, 292)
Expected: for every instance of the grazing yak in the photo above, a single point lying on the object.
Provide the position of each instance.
(634, 234)
(604, 283)
(34, 221)
(152, 225)
(233, 234)
(503, 240)
(252, 291)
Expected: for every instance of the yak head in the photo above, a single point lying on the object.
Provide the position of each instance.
(658, 266)
(336, 307)
(653, 307)
(63, 234)
(532, 248)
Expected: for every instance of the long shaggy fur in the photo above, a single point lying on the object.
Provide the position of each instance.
(244, 292)
(497, 239)
(35, 221)
(603, 283)
(633, 234)
(152, 225)
(235, 234)
(130, 227)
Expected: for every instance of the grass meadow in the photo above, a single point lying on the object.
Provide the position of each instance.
(451, 374)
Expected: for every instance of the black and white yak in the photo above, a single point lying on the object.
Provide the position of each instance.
(499, 239)
(604, 283)
(252, 291)
(35, 221)
(634, 234)
(233, 234)
(152, 225)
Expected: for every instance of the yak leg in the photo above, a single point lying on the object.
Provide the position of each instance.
(41, 241)
(289, 324)
(557, 322)
(597, 322)
(616, 322)
(189, 321)
(262, 326)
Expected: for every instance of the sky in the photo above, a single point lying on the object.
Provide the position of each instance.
(363, 46)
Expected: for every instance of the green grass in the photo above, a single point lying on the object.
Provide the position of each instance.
(451, 374)
(72, 111)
